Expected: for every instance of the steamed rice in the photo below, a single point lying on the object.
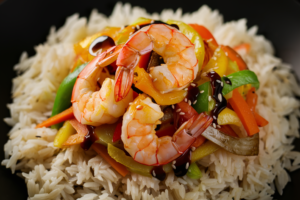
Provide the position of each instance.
(77, 174)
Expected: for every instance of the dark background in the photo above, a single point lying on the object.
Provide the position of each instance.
(26, 23)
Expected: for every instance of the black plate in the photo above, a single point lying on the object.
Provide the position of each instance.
(24, 24)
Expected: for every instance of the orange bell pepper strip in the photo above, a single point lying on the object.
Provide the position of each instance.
(234, 56)
(252, 101)
(205, 34)
(61, 117)
(143, 82)
(243, 111)
(102, 151)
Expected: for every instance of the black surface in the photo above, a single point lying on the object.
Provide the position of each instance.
(26, 23)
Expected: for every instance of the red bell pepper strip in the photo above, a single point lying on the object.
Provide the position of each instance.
(243, 111)
(252, 101)
(234, 56)
(204, 33)
(117, 132)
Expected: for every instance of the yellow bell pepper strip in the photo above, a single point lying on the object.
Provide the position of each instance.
(63, 95)
(232, 67)
(82, 48)
(252, 101)
(194, 172)
(194, 37)
(238, 79)
(234, 56)
(204, 150)
(243, 111)
(125, 33)
(61, 117)
(228, 116)
(143, 82)
(119, 156)
(103, 152)
(217, 63)
(63, 134)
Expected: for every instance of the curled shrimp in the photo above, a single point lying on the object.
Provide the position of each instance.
(141, 142)
(95, 105)
(175, 48)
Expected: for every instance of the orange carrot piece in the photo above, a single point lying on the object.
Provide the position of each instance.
(234, 56)
(205, 33)
(252, 101)
(243, 111)
(61, 117)
(102, 151)
(242, 47)
(228, 130)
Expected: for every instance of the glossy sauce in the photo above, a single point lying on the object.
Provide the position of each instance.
(90, 138)
(216, 84)
(193, 93)
(158, 172)
(181, 163)
(103, 42)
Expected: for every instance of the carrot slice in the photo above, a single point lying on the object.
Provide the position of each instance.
(242, 47)
(204, 33)
(252, 101)
(102, 151)
(243, 111)
(234, 56)
(61, 117)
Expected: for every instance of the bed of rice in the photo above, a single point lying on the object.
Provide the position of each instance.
(76, 174)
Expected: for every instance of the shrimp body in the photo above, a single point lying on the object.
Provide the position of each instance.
(177, 51)
(93, 105)
(141, 142)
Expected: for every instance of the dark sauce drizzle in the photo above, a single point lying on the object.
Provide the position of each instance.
(158, 172)
(217, 87)
(193, 93)
(154, 22)
(227, 81)
(182, 163)
(89, 139)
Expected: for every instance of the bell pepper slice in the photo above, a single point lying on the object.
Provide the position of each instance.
(194, 37)
(202, 103)
(119, 156)
(232, 67)
(143, 82)
(204, 150)
(217, 63)
(228, 116)
(63, 134)
(205, 33)
(63, 96)
(234, 56)
(117, 132)
(243, 111)
(238, 79)
(105, 134)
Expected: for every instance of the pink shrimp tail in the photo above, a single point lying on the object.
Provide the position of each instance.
(124, 80)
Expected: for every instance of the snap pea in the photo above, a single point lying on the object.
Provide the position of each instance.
(238, 79)
(64, 93)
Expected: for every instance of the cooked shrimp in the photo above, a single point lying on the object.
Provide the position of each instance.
(93, 106)
(175, 48)
(141, 142)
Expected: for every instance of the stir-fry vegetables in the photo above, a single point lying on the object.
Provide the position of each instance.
(160, 127)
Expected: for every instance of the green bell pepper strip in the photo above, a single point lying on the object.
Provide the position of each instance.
(202, 104)
(194, 172)
(194, 37)
(238, 79)
(64, 93)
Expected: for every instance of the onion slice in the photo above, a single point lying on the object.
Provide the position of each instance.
(248, 146)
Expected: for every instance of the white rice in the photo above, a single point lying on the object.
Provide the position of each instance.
(77, 174)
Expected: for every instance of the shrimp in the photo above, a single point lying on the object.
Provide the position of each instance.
(176, 49)
(93, 106)
(141, 142)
